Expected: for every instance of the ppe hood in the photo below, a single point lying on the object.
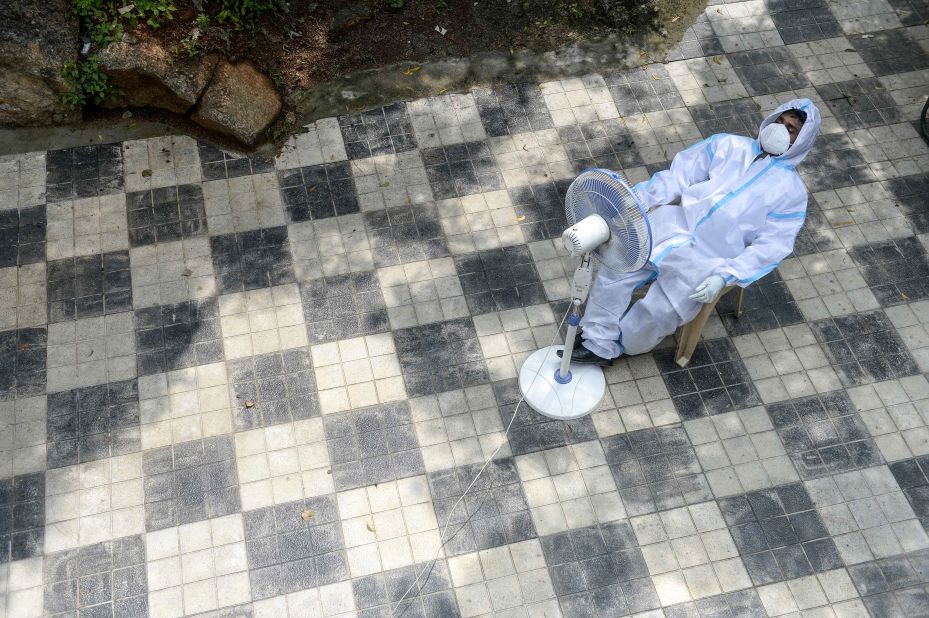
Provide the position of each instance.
(807, 136)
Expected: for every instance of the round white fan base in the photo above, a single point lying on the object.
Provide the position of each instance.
(577, 398)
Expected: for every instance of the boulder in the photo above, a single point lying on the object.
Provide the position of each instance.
(147, 78)
(36, 40)
(240, 101)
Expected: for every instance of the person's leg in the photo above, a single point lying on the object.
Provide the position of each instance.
(650, 320)
(609, 299)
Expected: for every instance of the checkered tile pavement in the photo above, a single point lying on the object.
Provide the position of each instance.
(235, 386)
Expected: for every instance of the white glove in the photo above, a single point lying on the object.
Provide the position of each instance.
(709, 289)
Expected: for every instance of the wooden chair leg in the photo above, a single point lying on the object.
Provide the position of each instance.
(689, 334)
(738, 307)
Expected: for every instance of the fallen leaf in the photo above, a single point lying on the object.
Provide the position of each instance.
(675, 18)
(904, 296)
(307, 514)
(717, 60)
(443, 90)
(311, 188)
(386, 183)
(249, 403)
(370, 527)
(187, 272)
(146, 173)
(411, 70)
(521, 218)
(22, 347)
(655, 76)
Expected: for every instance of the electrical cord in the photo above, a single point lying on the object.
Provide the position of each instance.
(442, 539)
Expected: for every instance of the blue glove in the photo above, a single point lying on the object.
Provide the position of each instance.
(707, 291)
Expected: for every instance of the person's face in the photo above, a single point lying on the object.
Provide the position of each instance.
(793, 124)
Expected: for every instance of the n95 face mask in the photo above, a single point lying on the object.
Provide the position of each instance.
(775, 139)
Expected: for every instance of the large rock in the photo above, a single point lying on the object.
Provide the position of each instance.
(36, 39)
(143, 72)
(240, 102)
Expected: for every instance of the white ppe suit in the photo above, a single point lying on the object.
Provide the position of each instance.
(720, 209)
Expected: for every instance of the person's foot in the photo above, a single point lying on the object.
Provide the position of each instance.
(583, 356)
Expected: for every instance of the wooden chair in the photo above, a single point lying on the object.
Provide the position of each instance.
(688, 335)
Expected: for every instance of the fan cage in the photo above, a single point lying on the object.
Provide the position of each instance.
(608, 194)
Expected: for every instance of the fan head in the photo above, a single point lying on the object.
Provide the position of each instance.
(607, 194)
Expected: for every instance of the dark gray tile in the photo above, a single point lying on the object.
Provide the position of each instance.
(379, 131)
(637, 91)
(252, 260)
(103, 579)
(834, 163)
(494, 513)
(860, 103)
(599, 570)
(779, 535)
(89, 286)
(888, 52)
(427, 587)
(318, 191)
(512, 109)
(798, 21)
(22, 363)
(177, 336)
(93, 422)
(440, 357)
(294, 546)
(714, 382)
(219, 164)
(913, 477)
(699, 40)
(22, 236)
(767, 304)
(864, 348)
(343, 306)
(605, 144)
(461, 169)
(897, 271)
(189, 482)
(84, 171)
(911, 12)
(540, 209)
(281, 387)
(22, 516)
(499, 279)
(404, 234)
(817, 234)
(739, 116)
(823, 434)
(165, 214)
(655, 469)
(533, 432)
(769, 70)
(909, 194)
(372, 445)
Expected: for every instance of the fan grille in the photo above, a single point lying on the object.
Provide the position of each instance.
(608, 194)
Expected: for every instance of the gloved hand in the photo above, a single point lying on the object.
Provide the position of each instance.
(709, 289)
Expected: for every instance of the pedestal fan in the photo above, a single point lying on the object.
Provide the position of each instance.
(607, 221)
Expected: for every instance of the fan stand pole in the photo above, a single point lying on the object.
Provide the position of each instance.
(547, 382)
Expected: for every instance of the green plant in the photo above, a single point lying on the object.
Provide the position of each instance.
(153, 12)
(243, 13)
(276, 76)
(395, 5)
(86, 82)
(203, 21)
(441, 5)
